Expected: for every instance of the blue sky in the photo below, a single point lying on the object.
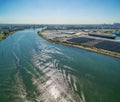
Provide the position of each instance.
(59, 11)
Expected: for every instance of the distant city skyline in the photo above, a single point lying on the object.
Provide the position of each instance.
(59, 11)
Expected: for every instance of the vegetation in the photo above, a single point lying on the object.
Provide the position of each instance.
(2, 36)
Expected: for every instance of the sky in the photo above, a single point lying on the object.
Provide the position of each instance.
(59, 11)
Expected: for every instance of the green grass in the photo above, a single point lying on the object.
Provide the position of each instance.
(1, 35)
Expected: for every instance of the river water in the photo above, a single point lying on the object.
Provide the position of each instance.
(35, 70)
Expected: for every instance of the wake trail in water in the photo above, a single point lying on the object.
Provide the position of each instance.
(55, 85)
(50, 79)
(19, 82)
(24, 75)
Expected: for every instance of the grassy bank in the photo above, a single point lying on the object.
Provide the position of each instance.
(2, 36)
(93, 49)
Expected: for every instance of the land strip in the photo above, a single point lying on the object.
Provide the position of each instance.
(83, 41)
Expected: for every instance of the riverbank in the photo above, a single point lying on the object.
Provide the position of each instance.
(3, 36)
(93, 49)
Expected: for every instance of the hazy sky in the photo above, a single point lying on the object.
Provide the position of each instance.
(60, 11)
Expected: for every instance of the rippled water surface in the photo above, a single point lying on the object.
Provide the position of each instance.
(35, 70)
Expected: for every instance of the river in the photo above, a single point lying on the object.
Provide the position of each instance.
(35, 70)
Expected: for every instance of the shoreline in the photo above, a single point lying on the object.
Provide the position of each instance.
(92, 49)
(5, 36)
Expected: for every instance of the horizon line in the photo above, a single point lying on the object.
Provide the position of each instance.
(61, 23)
